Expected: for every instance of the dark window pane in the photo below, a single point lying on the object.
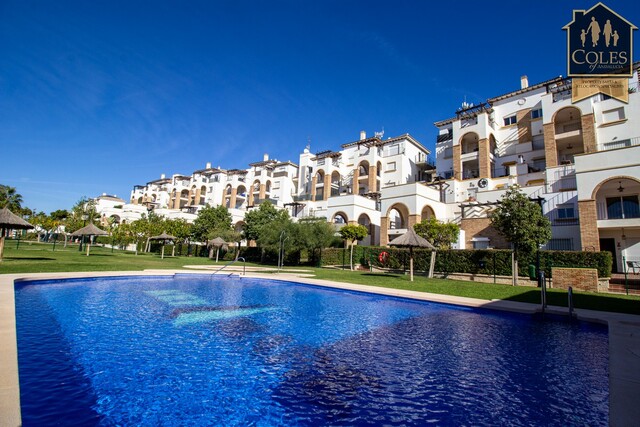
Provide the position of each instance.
(614, 208)
(630, 207)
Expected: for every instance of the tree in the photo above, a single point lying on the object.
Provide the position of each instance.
(83, 212)
(10, 199)
(257, 220)
(521, 222)
(351, 233)
(211, 220)
(440, 234)
(315, 234)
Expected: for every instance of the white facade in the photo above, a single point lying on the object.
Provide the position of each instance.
(567, 156)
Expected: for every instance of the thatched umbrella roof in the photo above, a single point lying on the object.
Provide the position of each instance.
(12, 221)
(163, 236)
(89, 230)
(218, 241)
(410, 239)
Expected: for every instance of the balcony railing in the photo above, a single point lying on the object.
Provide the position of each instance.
(470, 173)
(623, 143)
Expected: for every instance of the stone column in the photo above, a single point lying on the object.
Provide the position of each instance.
(355, 186)
(588, 134)
(232, 201)
(457, 163)
(250, 202)
(373, 174)
(588, 214)
(263, 191)
(196, 200)
(413, 220)
(327, 186)
(314, 181)
(523, 118)
(484, 159)
(550, 149)
(384, 231)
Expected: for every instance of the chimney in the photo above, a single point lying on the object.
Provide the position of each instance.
(208, 165)
(265, 157)
(524, 82)
(162, 176)
(363, 135)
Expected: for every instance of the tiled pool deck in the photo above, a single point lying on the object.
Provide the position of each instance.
(624, 337)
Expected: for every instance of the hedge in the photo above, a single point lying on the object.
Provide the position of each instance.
(494, 261)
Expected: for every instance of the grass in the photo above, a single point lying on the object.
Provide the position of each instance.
(34, 257)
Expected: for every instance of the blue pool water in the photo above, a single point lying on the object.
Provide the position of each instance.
(192, 351)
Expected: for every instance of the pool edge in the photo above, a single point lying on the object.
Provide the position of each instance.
(624, 335)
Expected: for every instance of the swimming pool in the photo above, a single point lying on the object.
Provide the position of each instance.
(188, 351)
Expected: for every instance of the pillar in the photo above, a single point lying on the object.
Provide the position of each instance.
(523, 118)
(327, 186)
(484, 159)
(588, 214)
(196, 200)
(588, 134)
(354, 185)
(250, 201)
(263, 191)
(373, 174)
(457, 162)
(550, 149)
(232, 201)
(314, 181)
(384, 231)
(413, 220)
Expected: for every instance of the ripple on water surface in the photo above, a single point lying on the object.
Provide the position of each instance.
(186, 351)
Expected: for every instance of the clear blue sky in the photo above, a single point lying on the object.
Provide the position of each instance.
(97, 96)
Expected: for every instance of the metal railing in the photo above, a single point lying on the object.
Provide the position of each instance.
(244, 266)
(623, 143)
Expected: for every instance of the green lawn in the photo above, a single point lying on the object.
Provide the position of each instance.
(36, 257)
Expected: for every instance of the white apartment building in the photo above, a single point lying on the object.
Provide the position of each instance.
(580, 161)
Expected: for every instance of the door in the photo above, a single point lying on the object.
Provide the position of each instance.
(610, 245)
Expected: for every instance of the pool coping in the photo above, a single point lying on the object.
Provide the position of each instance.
(624, 334)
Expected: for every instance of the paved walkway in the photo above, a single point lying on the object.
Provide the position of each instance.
(624, 335)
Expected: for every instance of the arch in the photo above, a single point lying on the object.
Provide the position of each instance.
(139, 200)
(184, 198)
(365, 221)
(398, 216)
(615, 181)
(228, 190)
(116, 218)
(493, 146)
(340, 218)
(336, 183)
(268, 186)
(203, 192)
(378, 169)
(427, 212)
(241, 196)
(558, 115)
(469, 142)
(255, 187)
(239, 226)
(363, 168)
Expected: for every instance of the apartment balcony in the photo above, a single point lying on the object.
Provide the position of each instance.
(426, 161)
(623, 143)
(561, 178)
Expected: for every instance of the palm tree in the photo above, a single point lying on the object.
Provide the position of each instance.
(10, 198)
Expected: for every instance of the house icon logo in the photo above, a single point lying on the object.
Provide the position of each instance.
(600, 43)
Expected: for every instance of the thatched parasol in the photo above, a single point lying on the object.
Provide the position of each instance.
(10, 221)
(411, 240)
(164, 237)
(218, 242)
(89, 230)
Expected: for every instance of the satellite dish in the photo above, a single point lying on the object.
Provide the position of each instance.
(483, 183)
